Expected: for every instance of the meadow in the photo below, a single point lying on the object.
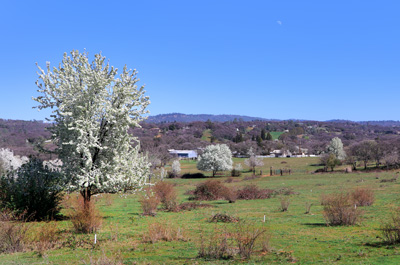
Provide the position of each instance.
(294, 236)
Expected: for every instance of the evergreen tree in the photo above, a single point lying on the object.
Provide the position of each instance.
(263, 135)
(268, 137)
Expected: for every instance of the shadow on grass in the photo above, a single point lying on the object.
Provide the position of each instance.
(315, 224)
(381, 244)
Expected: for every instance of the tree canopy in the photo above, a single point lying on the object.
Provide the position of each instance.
(92, 110)
(215, 158)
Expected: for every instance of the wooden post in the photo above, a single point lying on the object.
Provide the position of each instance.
(281, 172)
(270, 171)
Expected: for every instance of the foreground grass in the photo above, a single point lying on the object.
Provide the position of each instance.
(295, 236)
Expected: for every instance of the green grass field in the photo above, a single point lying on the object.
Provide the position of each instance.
(206, 135)
(295, 236)
(275, 135)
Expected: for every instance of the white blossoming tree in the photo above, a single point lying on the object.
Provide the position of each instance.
(93, 109)
(336, 147)
(215, 158)
(9, 162)
(176, 168)
(252, 162)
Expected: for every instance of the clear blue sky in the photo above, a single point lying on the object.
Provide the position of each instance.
(277, 59)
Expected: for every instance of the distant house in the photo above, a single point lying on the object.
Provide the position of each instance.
(280, 153)
(189, 154)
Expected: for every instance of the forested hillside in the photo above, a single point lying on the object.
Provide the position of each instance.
(310, 137)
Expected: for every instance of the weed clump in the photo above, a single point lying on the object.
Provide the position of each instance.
(285, 202)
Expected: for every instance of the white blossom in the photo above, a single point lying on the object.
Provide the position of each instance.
(176, 168)
(336, 147)
(9, 161)
(215, 158)
(92, 112)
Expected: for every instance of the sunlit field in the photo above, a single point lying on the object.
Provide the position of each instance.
(294, 235)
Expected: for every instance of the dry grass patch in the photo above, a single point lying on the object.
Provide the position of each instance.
(162, 232)
(13, 232)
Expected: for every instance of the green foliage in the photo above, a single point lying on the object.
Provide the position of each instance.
(36, 191)
(269, 137)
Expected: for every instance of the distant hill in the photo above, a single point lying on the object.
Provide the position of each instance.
(180, 117)
(381, 123)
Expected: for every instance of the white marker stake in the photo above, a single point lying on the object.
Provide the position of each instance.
(95, 238)
(264, 218)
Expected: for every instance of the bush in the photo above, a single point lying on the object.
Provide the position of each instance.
(339, 209)
(149, 202)
(84, 217)
(212, 190)
(167, 195)
(252, 192)
(236, 173)
(33, 181)
(363, 197)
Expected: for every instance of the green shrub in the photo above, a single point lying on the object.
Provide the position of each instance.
(33, 189)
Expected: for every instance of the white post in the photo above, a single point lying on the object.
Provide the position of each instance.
(264, 218)
(95, 238)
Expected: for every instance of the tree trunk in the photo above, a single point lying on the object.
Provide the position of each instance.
(86, 194)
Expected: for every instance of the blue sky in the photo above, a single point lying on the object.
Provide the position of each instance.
(316, 60)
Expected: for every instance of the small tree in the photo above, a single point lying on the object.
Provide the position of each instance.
(269, 137)
(363, 151)
(176, 168)
(336, 147)
(263, 134)
(252, 162)
(215, 158)
(92, 112)
(329, 161)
